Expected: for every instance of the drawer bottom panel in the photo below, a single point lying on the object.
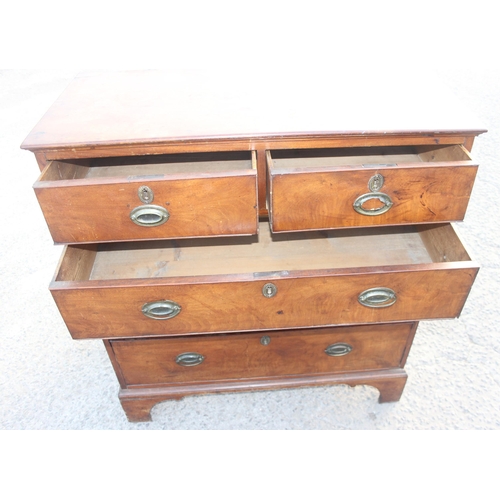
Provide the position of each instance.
(153, 362)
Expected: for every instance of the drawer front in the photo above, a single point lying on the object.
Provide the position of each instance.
(304, 196)
(265, 283)
(149, 207)
(94, 310)
(267, 354)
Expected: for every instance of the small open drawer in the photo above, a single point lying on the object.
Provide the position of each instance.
(368, 186)
(150, 197)
(282, 281)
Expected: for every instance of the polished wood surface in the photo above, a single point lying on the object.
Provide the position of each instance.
(108, 303)
(85, 203)
(104, 310)
(316, 189)
(146, 107)
(300, 352)
(155, 112)
(291, 359)
(111, 132)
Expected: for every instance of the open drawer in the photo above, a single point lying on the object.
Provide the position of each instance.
(368, 186)
(150, 197)
(267, 282)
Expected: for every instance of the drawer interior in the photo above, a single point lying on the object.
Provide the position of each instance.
(265, 253)
(386, 155)
(139, 166)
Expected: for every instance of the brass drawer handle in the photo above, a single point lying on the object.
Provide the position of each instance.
(189, 359)
(161, 309)
(377, 297)
(338, 349)
(382, 197)
(149, 215)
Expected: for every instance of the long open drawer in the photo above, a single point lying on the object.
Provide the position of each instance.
(266, 282)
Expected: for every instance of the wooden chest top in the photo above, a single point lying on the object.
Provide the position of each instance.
(99, 110)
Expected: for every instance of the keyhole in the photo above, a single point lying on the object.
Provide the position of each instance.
(269, 290)
(145, 194)
(375, 183)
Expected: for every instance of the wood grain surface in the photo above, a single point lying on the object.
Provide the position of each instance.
(109, 133)
(110, 304)
(139, 107)
(153, 361)
(81, 206)
(317, 189)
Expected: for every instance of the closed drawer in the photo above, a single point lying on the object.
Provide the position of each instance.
(149, 197)
(240, 356)
(370, 186)
(262, 283)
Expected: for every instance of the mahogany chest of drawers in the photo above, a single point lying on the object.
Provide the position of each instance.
(225, 233)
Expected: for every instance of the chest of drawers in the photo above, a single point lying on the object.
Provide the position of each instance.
(224, 233)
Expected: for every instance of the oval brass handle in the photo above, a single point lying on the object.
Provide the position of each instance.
(149, 215)
(338, 349)
(161, 309)
(377, 297)
(382, 197)
(189, 359)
